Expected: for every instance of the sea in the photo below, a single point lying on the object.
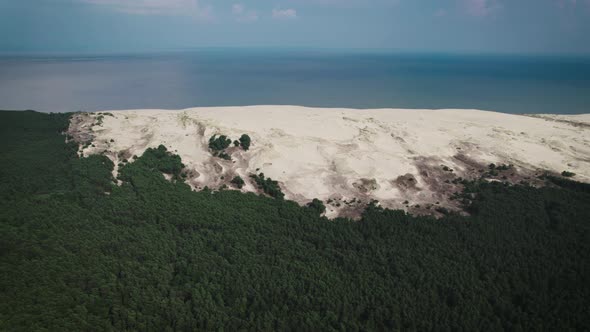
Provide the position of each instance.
(320, 78)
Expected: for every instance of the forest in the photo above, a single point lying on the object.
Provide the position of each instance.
(80, 253)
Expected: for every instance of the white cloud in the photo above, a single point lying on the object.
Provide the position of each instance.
(284, 13)
(481, 7)
(157, 7)
(237, 9)
(242, 14)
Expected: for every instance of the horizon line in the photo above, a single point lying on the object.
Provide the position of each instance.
(369, 50)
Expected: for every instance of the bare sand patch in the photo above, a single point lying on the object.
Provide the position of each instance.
(389, 155)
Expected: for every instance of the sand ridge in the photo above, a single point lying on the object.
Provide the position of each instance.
(348, 156)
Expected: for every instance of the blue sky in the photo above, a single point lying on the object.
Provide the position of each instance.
(482, 26)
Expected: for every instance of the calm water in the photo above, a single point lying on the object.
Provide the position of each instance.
(358, 80)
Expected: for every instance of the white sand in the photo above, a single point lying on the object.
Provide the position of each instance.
(348, 153)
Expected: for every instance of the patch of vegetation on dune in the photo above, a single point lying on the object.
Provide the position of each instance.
(268, 185)
(219, 143)
(238, 182)
(568, 174)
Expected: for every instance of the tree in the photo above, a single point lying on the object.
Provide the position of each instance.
(245, 142)
(238, 182)
(317, 206)
(219, 143)
(268, 186)
(224, 155)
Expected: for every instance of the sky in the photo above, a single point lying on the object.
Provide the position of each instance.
(447, 26)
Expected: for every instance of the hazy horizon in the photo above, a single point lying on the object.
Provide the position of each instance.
(292, 50)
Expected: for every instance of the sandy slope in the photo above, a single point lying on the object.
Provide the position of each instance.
(391, 155)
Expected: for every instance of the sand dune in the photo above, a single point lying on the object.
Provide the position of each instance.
(391, 155)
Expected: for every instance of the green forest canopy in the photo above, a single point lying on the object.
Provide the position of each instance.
(78, 252)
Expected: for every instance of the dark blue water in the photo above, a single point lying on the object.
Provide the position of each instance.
(514, 84)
